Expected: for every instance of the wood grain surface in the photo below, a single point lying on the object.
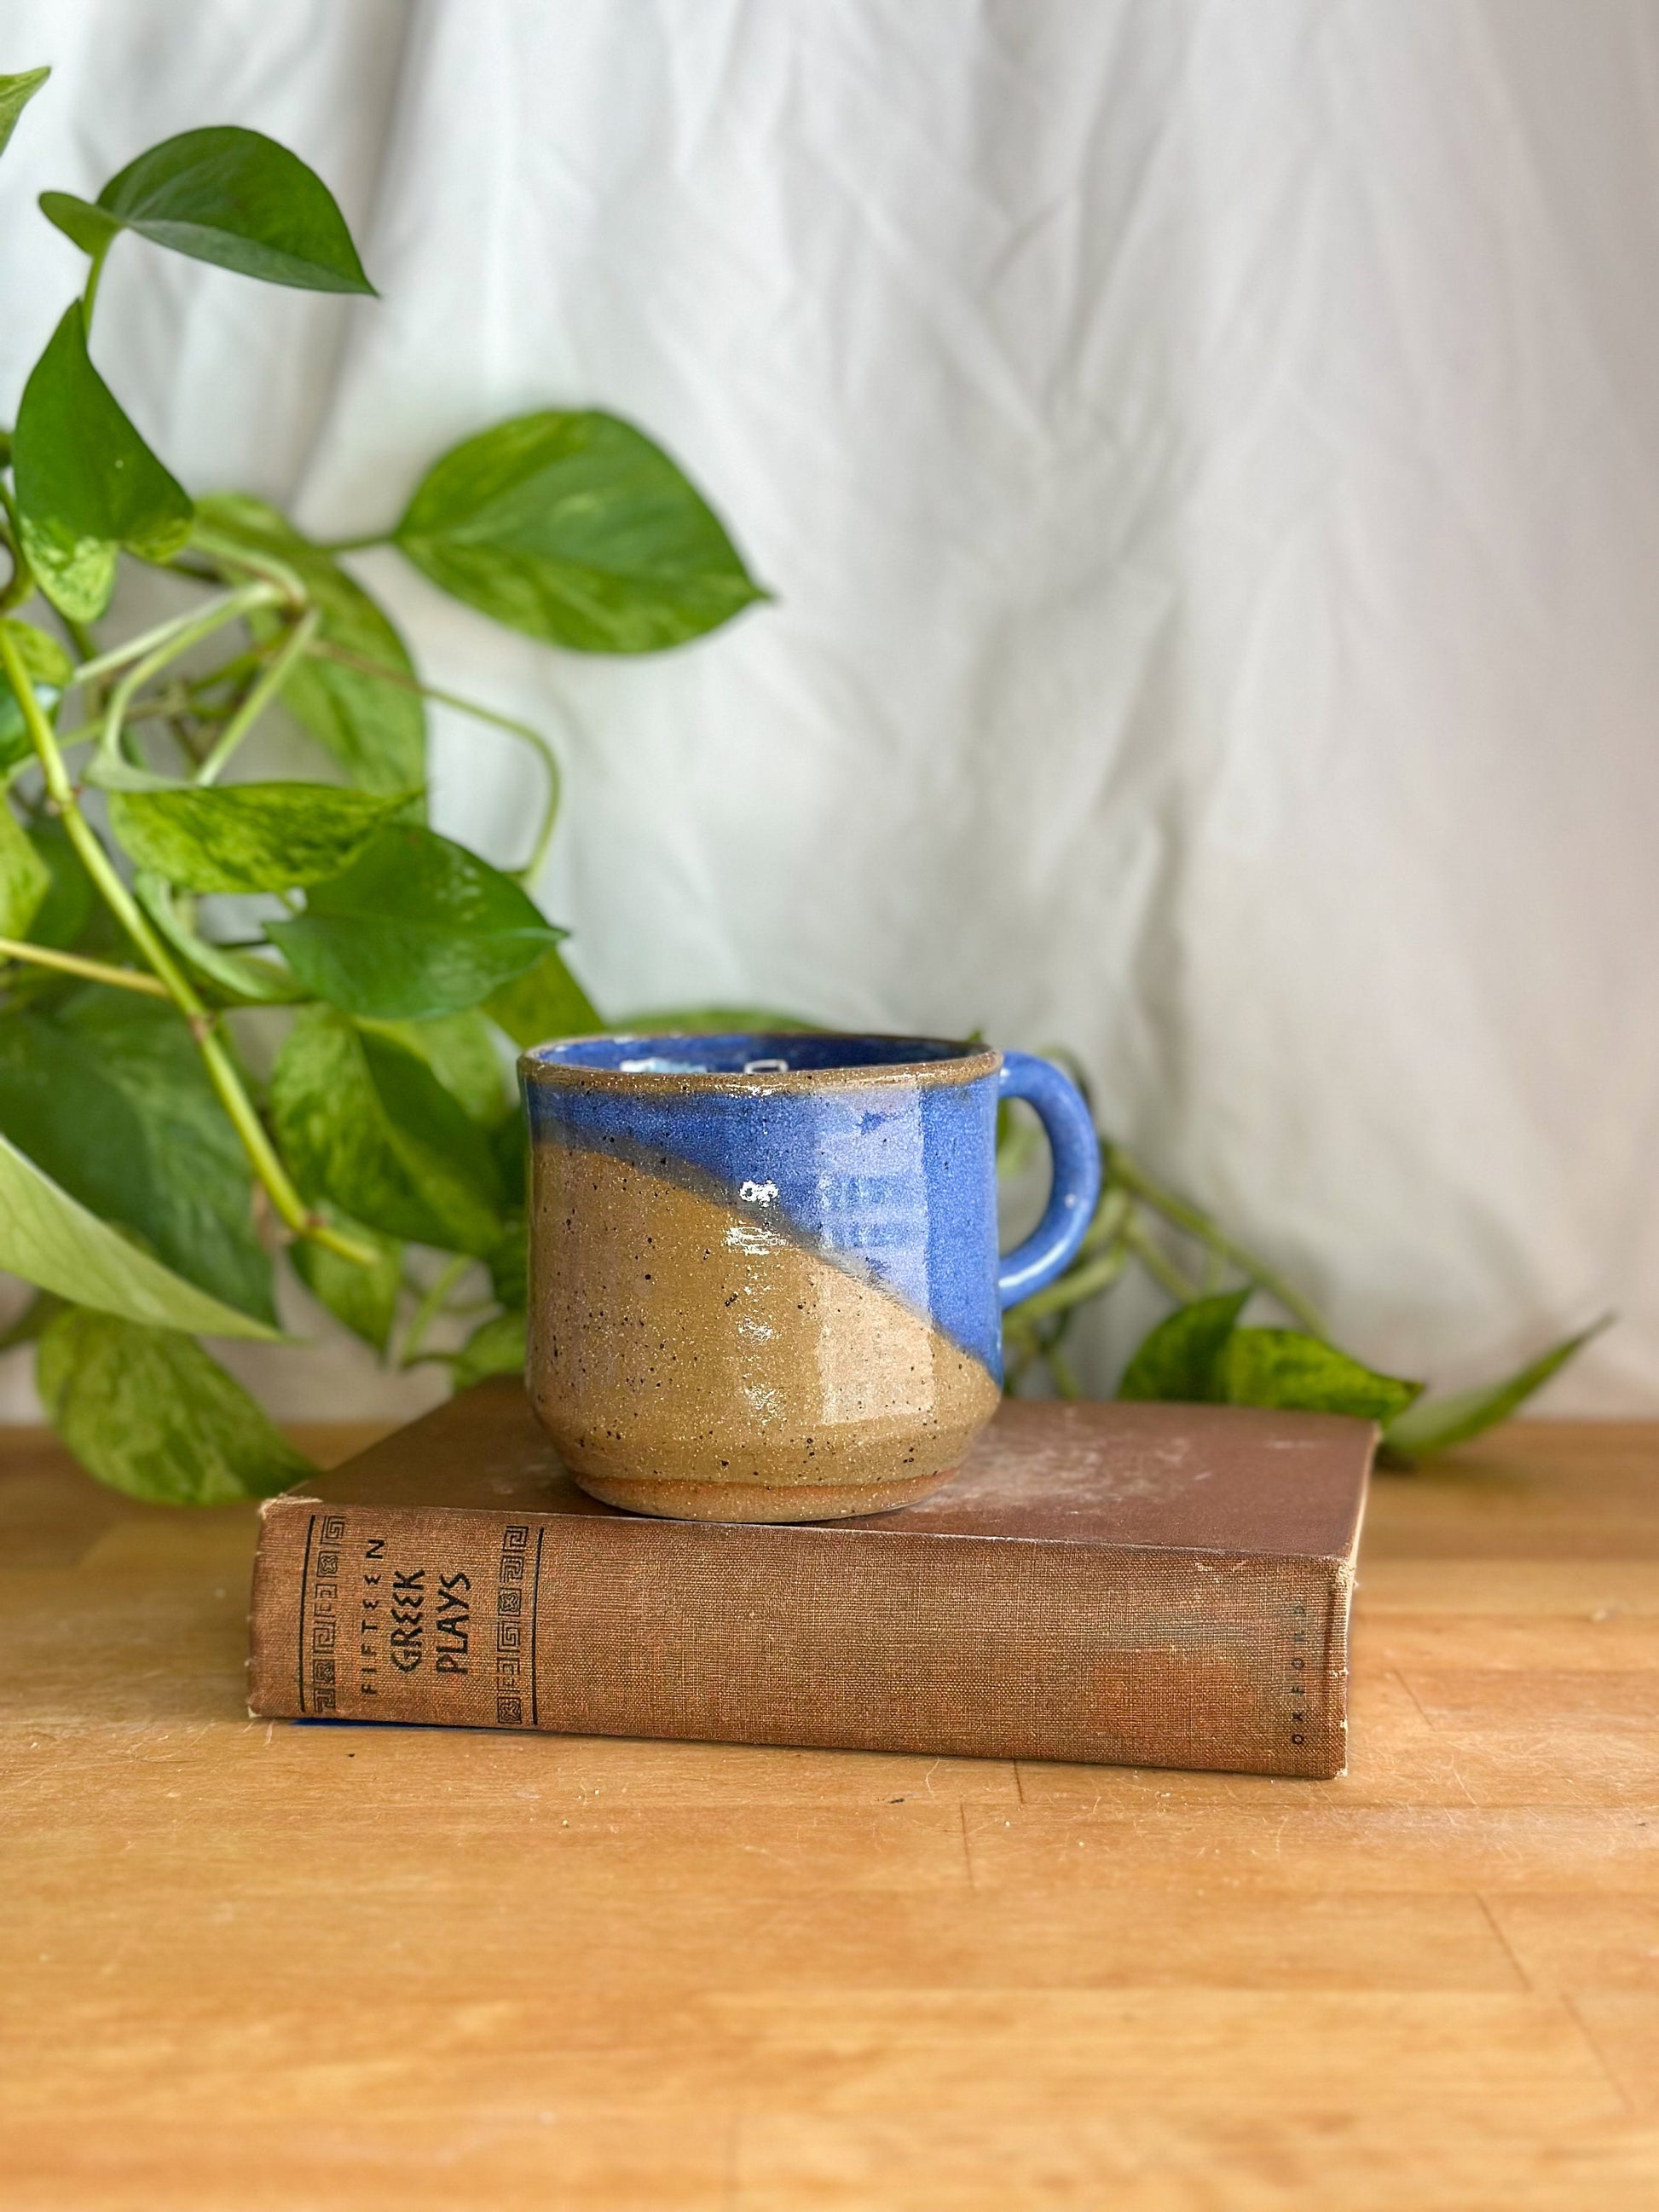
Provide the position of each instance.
(250, 1965)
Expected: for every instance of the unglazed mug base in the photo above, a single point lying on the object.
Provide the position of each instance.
(694, 1352)
(666, 1499)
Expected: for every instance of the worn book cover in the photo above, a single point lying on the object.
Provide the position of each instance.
(1147, 1585)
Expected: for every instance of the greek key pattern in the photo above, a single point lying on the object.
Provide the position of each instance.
(509, 1627)
(325, 1615)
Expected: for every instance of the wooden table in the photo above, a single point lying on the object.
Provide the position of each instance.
(249, 1965)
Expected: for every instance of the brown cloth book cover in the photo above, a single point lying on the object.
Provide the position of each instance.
(1142, 1585)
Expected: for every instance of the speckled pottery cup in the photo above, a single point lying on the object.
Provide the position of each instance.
(764, 1282)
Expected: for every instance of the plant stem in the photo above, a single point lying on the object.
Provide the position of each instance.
(1087, 1282)
(1060, 1368)
(163, 706)
(356, 544)
(108, 767)
(232, 555)
(221, 1067)
(260, 696)
(1164, 1271)
(431, 1305)
(1110, 1215)
(21, 582)
(326, 650)
(1182, 1215)
(74, 963)
(106, 663)
(228, 671)
(89, 296)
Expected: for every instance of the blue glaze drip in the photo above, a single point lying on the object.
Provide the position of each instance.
(896, 1181)
(897, 1184)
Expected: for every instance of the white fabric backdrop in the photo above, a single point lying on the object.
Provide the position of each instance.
(1208, 459)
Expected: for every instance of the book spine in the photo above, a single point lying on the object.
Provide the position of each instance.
(837, 1638)
(360, 1614)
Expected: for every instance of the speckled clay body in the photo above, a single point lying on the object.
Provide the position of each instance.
(764, 1280)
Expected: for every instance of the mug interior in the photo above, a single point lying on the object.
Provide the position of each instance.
(758, 1052)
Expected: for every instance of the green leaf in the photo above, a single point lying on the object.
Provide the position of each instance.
(249, 836)
(1281, 1367)
(369, 1126)
(242, 976)
(110, 1100)
(374, 726)
(71, 902)
(16, 746)
(228, 196)
(49, 670)
(83, 223)
(49, 1239)
(364, 1298)
(1181, 1358)
(147, 1412)
(509, 1147)
(460, 1050)
(417, 927)
(509, 1264)
(199, 1212)
(496, 1348)
(44, 660)
(15, 93)
(575, 529)
(25, 879)
(1440, 1423)
(87, 483)
(545, 1002)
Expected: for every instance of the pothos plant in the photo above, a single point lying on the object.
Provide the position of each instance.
(264, 1022)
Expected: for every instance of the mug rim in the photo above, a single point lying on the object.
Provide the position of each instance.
(954, 1061)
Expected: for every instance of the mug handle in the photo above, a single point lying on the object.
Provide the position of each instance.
(1052, 1245)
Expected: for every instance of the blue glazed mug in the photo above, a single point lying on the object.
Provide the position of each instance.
(764, 1282)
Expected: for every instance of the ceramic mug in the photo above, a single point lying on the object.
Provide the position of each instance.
(764, 1282)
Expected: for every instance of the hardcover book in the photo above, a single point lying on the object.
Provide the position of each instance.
(1145, 1585)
